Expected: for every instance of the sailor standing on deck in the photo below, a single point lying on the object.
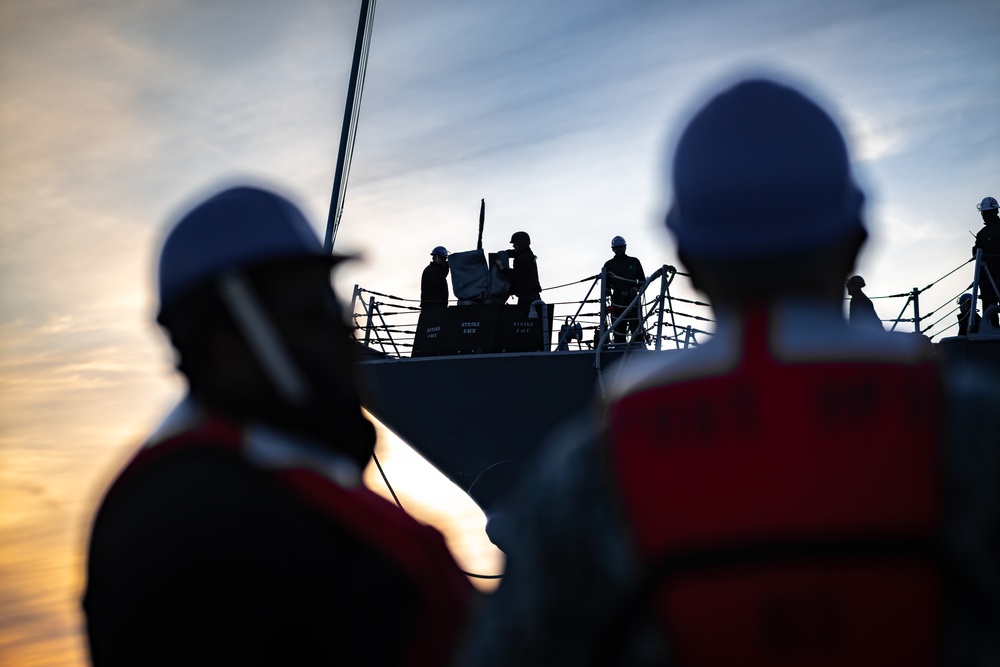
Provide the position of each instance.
(523, 275)
(861, 312)
(988, 240)
(779, 495)
(624, 277)
(434, 281)
(241, 532)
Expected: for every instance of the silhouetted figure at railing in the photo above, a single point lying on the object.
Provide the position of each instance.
(988, 240)
(861, 312)
(624, 277)
(434, 281)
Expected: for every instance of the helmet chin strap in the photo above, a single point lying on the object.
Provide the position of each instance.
(263, 339)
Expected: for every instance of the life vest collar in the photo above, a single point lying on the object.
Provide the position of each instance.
(261, 445)
(273, 449)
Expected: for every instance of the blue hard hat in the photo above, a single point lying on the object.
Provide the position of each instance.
(965, 297)
(618, 242)
(236, 228)
(440, 251)
(761, 170)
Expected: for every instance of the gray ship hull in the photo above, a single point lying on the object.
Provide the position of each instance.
(480, 419)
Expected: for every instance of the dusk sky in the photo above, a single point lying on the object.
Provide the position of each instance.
(115, 116)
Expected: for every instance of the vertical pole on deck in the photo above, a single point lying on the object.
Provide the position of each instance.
(482, 222)
(602, 327)
(368, 323)
(663, 304)
(354, 304)
(975, 284)
(916, 309)
(354, 298)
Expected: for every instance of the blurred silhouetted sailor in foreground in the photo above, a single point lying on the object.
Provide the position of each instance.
(241, 532)
(797, 491)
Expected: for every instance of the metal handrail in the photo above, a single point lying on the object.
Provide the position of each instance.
(634, 304)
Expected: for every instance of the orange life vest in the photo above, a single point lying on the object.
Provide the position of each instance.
(788, 513)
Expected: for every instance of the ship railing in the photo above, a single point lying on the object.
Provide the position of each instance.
(572, 329)
(985, 327)
(661, 306)
(932, 323)
(682, 334)
(634, 309)
(376, 332)
(920, 318)
(388, 323)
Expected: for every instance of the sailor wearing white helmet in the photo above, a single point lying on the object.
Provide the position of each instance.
(988, 240)
(624, 277)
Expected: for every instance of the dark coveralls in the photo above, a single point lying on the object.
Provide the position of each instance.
(988, 239)
(862, 312)
(434, 287)
(232, 543)
(625, 274)
(523, 278)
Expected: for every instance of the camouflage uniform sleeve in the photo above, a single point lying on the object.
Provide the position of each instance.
(569, 567)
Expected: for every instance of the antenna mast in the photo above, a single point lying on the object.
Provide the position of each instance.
(361, 45)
